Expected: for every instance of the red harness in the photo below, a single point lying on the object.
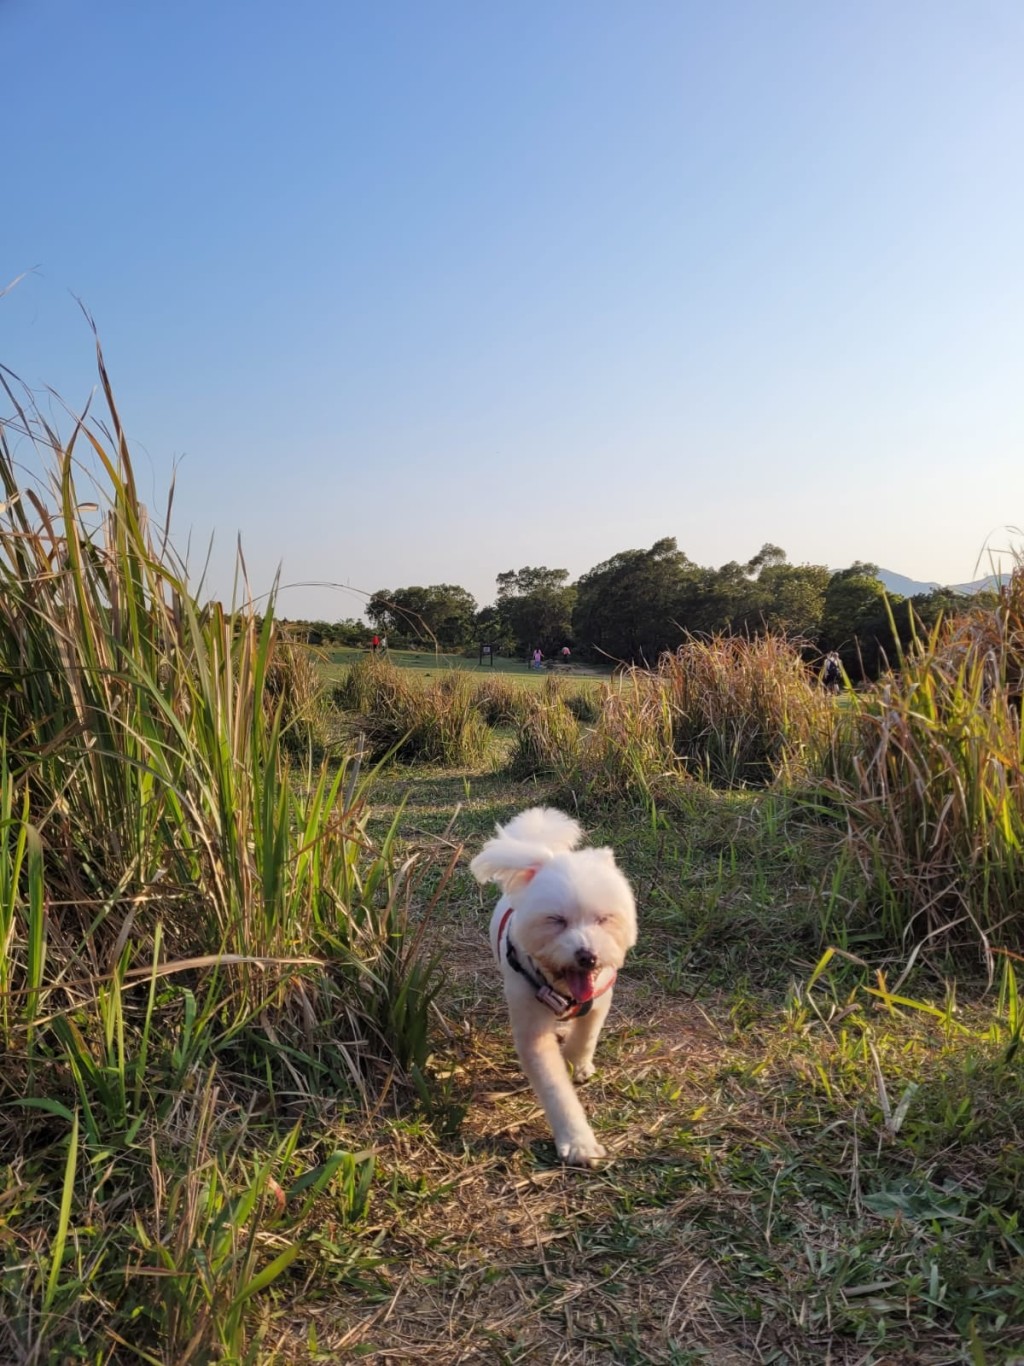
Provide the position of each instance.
(564, 1007)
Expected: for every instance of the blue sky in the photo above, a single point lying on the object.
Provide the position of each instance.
(421, 292)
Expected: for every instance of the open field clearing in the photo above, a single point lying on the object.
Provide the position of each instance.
(430, 664)
(258, 1100)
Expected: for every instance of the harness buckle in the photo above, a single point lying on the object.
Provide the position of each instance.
(548, 996)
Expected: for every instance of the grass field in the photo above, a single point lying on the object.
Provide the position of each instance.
(430, 664)
(807, 1167)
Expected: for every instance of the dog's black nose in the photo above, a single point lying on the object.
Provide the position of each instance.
(586, 959)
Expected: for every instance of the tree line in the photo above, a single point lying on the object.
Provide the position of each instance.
(639, 603)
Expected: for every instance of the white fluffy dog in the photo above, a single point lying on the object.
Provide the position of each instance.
(560, 933)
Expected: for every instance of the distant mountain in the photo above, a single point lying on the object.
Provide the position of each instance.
(907, 588)
(899, 583)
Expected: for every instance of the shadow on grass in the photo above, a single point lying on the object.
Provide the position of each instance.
(761, 1205)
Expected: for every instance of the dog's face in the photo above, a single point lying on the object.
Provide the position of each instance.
(573, 910)
(575, 917)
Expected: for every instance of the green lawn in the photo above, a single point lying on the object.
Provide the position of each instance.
(430, 663)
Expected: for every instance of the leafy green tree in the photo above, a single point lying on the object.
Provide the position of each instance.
(492, 629)
(534, 607)
(626, 607)
(858, 620)
(766, 592)
(721, 600)
(768, 557)
(443, 613)
(794, 598)
(950, 602)
(853, 598)
(349, 631)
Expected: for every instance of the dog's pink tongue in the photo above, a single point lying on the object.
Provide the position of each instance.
(581, 984)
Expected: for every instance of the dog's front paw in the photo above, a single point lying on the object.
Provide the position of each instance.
(582, 1071)
(581, 1152)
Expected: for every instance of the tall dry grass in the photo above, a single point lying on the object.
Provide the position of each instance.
(929, 779)
(743, 710)
(546, 740)
(192, 927)
(295, 682)
(501, 702)
(628, 754)
(728, 711)
(438, 722)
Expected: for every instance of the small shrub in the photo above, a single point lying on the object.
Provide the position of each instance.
(372, 685)
(445, 725)
(547, 740)
(499, 700)
(730, 711)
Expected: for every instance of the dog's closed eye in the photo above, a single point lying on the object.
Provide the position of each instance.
(558, 920)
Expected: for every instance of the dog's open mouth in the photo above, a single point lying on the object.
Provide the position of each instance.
(580, 983)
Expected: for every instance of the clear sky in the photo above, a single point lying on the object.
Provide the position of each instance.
(417, 291)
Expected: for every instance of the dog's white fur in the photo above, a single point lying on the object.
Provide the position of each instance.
(574, 915)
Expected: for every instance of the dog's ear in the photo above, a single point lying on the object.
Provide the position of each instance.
(509, 863)
(518, 880)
